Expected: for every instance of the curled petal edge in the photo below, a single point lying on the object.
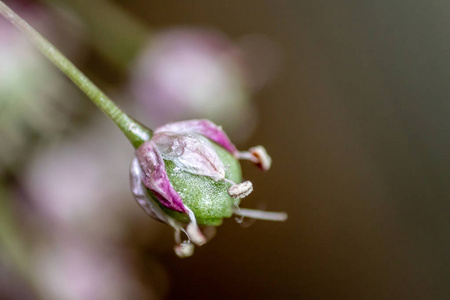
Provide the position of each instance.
(203, 127)
(154, 177)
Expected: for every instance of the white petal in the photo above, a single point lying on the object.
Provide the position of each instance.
(192, 153)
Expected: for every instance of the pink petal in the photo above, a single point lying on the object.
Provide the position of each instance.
(192, 153)
(203, 127)
(155, 177)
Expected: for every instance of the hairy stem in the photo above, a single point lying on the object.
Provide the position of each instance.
(133, 130)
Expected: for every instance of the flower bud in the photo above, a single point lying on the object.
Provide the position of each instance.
(188, 174)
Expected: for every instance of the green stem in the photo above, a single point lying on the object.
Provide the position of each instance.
(133, 130)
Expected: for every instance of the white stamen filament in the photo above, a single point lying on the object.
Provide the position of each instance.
(229, 181)
(261, 215)
(241, 217)
(193, 231)
(177, 234)
(247, 156)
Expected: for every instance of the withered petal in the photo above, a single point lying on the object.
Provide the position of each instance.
(155, 177)
(203, 127)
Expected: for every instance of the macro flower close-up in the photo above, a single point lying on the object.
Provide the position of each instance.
(287, 149)
(192, 171)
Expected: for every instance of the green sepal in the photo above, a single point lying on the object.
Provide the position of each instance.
(208, 199)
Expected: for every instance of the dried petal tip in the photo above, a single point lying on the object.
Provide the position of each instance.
(257, 155)
(240, 190)
(184, 250)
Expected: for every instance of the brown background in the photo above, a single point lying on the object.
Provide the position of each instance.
(357, 124)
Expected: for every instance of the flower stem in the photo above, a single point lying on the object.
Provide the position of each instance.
(133, 130)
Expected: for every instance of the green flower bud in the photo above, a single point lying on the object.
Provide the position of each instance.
(188, 174)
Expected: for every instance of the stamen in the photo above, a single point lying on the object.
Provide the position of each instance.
(193, 230)
(257, 155)
(177, 234)
(240, 190)
(184, 250)
(229, 181)
(261, 215)
(247, 156)
(241, 217)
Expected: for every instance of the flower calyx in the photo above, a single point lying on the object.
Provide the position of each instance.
(188, 175)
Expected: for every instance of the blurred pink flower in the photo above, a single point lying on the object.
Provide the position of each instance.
(80, 186)
(194, 73)
(70, 268)
(83, 211)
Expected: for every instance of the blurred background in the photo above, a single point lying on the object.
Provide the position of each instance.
(350, 98)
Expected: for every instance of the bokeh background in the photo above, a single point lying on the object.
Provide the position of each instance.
(350, 98)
